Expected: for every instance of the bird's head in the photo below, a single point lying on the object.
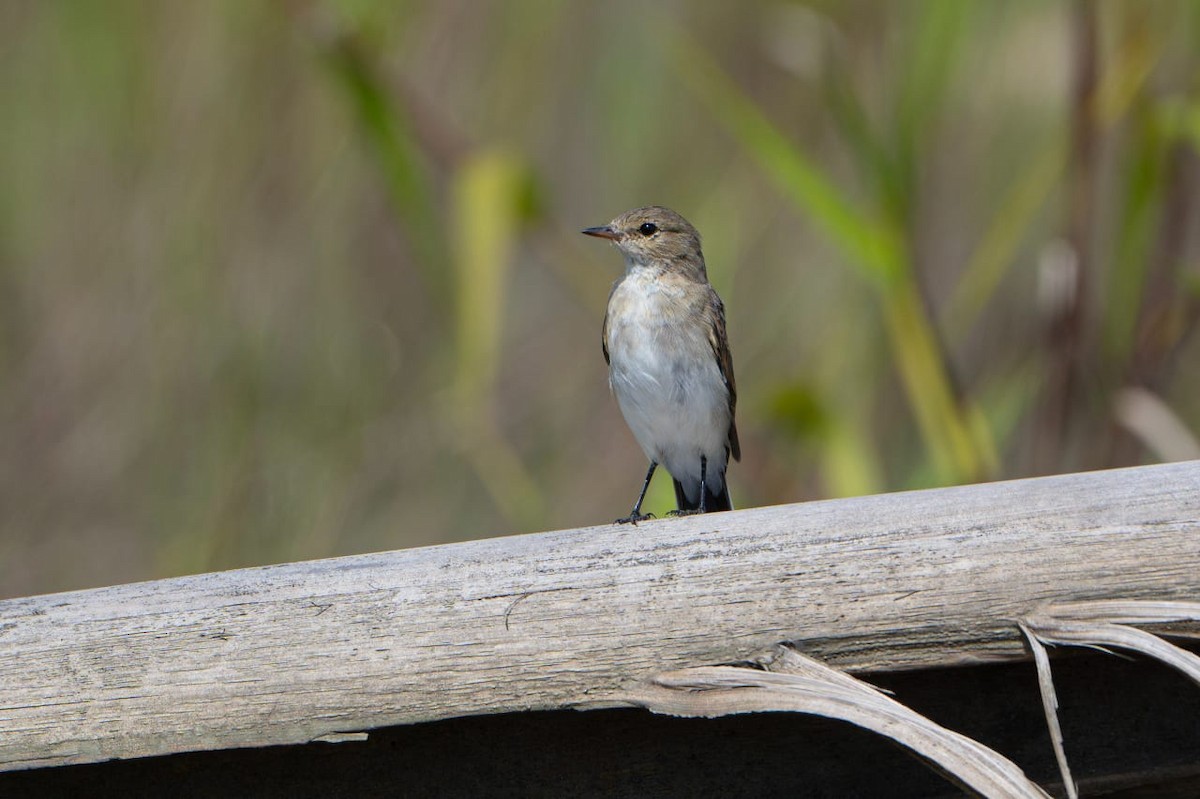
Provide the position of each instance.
(653, 235)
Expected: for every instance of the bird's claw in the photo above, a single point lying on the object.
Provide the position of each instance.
(634, 518)
(681, 512)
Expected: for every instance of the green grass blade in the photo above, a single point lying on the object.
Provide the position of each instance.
(961, 448)
(489, 199)
(926, 73)
(872, 247)
(398, 152)
(959, 442)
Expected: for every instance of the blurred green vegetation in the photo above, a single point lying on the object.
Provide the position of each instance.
(289, 280)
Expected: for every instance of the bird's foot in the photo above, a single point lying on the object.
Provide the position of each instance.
(634, 518)
(682, 512)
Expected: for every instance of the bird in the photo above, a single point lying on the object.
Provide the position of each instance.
(669, 363)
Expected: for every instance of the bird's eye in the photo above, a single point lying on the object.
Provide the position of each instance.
(648, 229)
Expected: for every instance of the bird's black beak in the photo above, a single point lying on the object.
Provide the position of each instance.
(604, 232)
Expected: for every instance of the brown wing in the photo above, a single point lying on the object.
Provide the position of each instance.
(720, 344)
(604, 337)
(604, 329)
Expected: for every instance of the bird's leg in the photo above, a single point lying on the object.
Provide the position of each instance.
(636, 515)
(703, 490)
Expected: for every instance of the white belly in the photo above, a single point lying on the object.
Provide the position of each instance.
(668, 384)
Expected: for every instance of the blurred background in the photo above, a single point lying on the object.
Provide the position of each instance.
(286, 280)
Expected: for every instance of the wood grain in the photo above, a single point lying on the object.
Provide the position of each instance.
(290, 653)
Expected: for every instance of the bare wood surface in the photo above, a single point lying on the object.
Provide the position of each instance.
(290, 653)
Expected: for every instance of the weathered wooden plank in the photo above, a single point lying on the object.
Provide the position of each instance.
(288, 653)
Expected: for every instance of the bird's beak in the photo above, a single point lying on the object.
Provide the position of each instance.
(604, 232)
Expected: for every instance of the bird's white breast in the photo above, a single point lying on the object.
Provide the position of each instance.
(665, 376)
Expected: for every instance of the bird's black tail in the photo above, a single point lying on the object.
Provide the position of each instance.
(712, 502)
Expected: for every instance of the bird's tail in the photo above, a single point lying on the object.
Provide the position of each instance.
(712, 502)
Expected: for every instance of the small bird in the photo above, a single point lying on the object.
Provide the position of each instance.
(668, 358)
